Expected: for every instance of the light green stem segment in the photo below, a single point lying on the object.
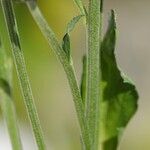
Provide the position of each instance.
(80, 6)
(6, 101)
(21, 71)
(93, 72)
(60, 53)
(10, 117)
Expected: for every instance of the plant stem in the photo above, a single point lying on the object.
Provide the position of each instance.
(93, 72)
(8, 11)
(52, 40)
(80, 5)
(100, 145)
(6, 101)
(10, 117)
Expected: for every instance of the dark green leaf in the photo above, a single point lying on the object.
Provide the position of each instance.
(66, 45)
(119, 95)
(83, 79)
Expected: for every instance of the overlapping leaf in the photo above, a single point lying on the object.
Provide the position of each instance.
(118, 95)
(66, 39)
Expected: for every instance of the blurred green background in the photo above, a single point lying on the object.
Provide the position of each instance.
(50, 88)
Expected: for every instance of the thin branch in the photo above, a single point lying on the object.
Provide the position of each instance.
(8, 11)
(6, 101)
(68, 67)
(93, 72)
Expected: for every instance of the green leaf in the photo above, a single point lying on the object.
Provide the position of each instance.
(118, 97)
(66, 45)
(73, 22)
(66, 39)
(83, 79)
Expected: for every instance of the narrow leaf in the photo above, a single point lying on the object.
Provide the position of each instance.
(66, 39)
(119, 95)
(73, 22)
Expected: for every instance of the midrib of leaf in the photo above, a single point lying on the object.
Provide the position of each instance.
(68, 68)
(9, 15)
(93, 72)
(6, 101)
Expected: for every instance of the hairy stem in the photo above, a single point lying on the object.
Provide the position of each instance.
(11, 121)
(93, 73)
(6, 101)
(100, 145)
(80, 5)
(21, 71)
(52, 40)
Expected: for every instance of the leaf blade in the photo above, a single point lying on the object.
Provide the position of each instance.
(66, 46)
(119, 95)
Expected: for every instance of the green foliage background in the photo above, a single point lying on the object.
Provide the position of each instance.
(50, 88)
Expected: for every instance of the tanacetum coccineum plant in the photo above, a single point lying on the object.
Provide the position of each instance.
(106, 99)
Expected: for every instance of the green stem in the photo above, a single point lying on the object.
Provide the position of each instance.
(6, 101)
(100, 145)
(93, 72)
(80, 5)
(52, 40)
(11, 121)
(21, 71)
